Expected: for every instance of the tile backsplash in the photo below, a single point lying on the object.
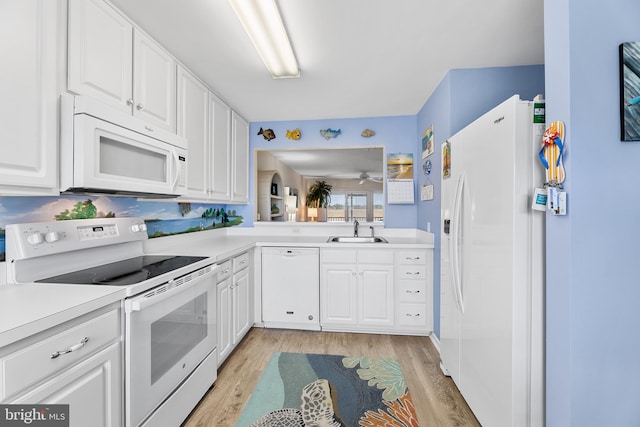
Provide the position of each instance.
(163, 218)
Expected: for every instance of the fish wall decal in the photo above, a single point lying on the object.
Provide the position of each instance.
(293, 134)
(329, 133)
(367, 133)
(268, 134)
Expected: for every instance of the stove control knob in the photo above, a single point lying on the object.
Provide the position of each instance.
(143, 227)
(51, 236)
(135, 228)
(34, 238)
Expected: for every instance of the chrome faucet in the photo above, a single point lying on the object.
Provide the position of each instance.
(355, 227)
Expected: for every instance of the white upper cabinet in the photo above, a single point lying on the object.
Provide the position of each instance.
(221, 166)
(108, 62)
(218, 143)
(29, 102)
(100, 53)
(240, 159)
(154, 83)
(193, 124)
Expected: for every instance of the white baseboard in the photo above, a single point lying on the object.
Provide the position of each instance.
(435, 341)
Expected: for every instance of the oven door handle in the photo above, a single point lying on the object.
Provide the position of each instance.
(148, 299)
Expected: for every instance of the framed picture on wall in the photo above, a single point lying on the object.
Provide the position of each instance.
(427, 142)
(630, 91)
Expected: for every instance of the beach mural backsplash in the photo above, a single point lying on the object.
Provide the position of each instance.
(162, 218)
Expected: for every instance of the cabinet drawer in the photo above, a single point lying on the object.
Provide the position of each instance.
(342, 256)
(224, 271)
(375, 256)
(411, 291)
(412, 314)
(240, 262)
(31, 364)
(412, 257)
(412, 272)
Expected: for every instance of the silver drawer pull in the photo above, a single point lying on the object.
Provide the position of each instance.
(409, 273)
(412, 258)
(412, 292)
(412, 315)
(70, 349)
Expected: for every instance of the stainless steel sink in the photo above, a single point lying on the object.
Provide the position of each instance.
(351, 239)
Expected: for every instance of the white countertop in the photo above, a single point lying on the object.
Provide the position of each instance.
(26, 309)
(221, 245)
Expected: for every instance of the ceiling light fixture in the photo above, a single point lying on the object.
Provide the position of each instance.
(262, 22)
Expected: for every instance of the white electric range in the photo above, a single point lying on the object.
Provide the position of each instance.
(169, 309)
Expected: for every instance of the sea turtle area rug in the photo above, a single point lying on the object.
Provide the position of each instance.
(298, 390)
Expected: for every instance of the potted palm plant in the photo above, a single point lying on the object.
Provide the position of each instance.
(318, 197)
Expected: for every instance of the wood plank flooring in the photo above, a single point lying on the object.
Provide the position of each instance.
(437, 400)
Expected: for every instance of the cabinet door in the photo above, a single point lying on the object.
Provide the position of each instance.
(193, 119)
(375, 304)
(92, 388)
(100, 61)
(225, 319)
(240, 305)
(338, 294)
(154, 83)
(240, 159)
(28, 106)
(220, 134)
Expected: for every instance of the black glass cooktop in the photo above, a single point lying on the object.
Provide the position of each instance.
(127, 272)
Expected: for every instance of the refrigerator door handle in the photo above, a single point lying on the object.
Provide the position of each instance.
(456, 235)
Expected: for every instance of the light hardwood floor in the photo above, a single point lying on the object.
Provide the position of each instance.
(437, 400)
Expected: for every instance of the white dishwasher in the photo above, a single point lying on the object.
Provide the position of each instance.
(291, 288)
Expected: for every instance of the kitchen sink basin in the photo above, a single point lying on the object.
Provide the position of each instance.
(352, 239)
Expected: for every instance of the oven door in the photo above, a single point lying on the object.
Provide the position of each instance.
(169, 331)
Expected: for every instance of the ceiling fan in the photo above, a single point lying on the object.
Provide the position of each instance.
(364, 177)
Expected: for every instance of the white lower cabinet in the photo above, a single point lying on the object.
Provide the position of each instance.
(234, 304)
(88, 378)
(356, 289)
(91, 389)
(414, 290)
(377, 290)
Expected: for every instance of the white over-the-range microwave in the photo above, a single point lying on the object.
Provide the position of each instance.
(104, 150)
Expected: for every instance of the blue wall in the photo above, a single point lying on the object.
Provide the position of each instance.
(593, 273)
(396, 134)
(450, 108)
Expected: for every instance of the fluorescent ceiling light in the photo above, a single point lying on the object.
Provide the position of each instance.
(262, 22)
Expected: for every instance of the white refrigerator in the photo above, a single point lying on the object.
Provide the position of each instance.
(492, 267)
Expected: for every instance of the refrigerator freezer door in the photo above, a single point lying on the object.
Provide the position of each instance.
(494, 348)
(487, 263)
(450, 314)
